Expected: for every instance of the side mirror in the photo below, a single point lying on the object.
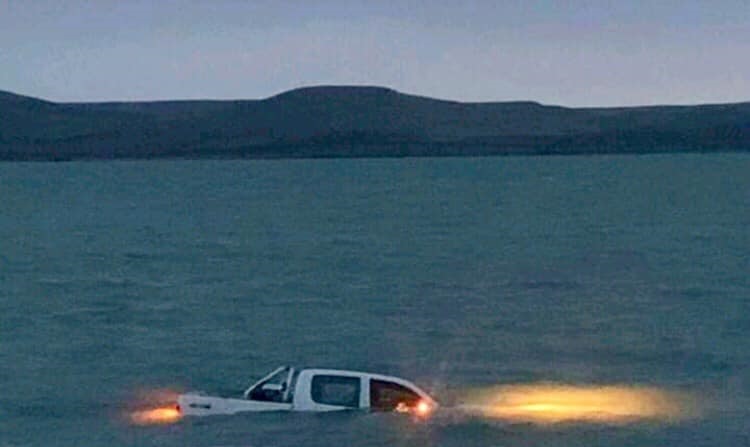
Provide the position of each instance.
(272, 387)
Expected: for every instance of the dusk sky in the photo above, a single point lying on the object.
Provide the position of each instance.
(574, 53)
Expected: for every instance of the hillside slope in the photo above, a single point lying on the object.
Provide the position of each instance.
(342, 121)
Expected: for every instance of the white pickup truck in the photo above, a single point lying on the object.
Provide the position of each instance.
(289, 389)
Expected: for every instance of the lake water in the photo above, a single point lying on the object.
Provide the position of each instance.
(121, 281)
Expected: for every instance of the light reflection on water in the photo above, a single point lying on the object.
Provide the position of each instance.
(153, 407)
(554, 403)
(154, 416)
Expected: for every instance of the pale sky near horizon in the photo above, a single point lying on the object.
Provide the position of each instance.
(573, 53)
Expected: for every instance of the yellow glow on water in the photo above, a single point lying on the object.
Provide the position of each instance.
(546, 403)
(164, 415)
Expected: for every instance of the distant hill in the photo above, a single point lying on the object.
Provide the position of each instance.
(343, 121)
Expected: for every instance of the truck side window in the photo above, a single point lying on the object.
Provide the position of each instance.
(388, 396)
(266, 394)
(336, 390)
(262, 395)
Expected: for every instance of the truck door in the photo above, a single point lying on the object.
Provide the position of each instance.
(336, 391)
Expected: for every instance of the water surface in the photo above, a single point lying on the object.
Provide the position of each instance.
(120, 278)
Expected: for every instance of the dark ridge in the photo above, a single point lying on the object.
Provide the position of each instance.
(334, 91)
(9, 97)
(355, 121)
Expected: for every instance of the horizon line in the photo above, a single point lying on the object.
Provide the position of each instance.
(368, 86)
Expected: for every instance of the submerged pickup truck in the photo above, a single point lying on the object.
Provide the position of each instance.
(289, 389)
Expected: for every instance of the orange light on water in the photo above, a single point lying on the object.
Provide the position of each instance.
(164, 415)
(560, 403)
(423, 409)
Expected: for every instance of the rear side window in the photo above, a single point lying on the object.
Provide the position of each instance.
(336, 390)
(387, 396)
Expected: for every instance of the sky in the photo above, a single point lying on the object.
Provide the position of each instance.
(572, 53)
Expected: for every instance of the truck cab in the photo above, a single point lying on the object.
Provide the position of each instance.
(319, 390)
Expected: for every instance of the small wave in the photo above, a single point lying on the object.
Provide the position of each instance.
(54, 281)
(68, 281)
(141, 255)
(686, 292)
(97, 282)
(548, 285)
